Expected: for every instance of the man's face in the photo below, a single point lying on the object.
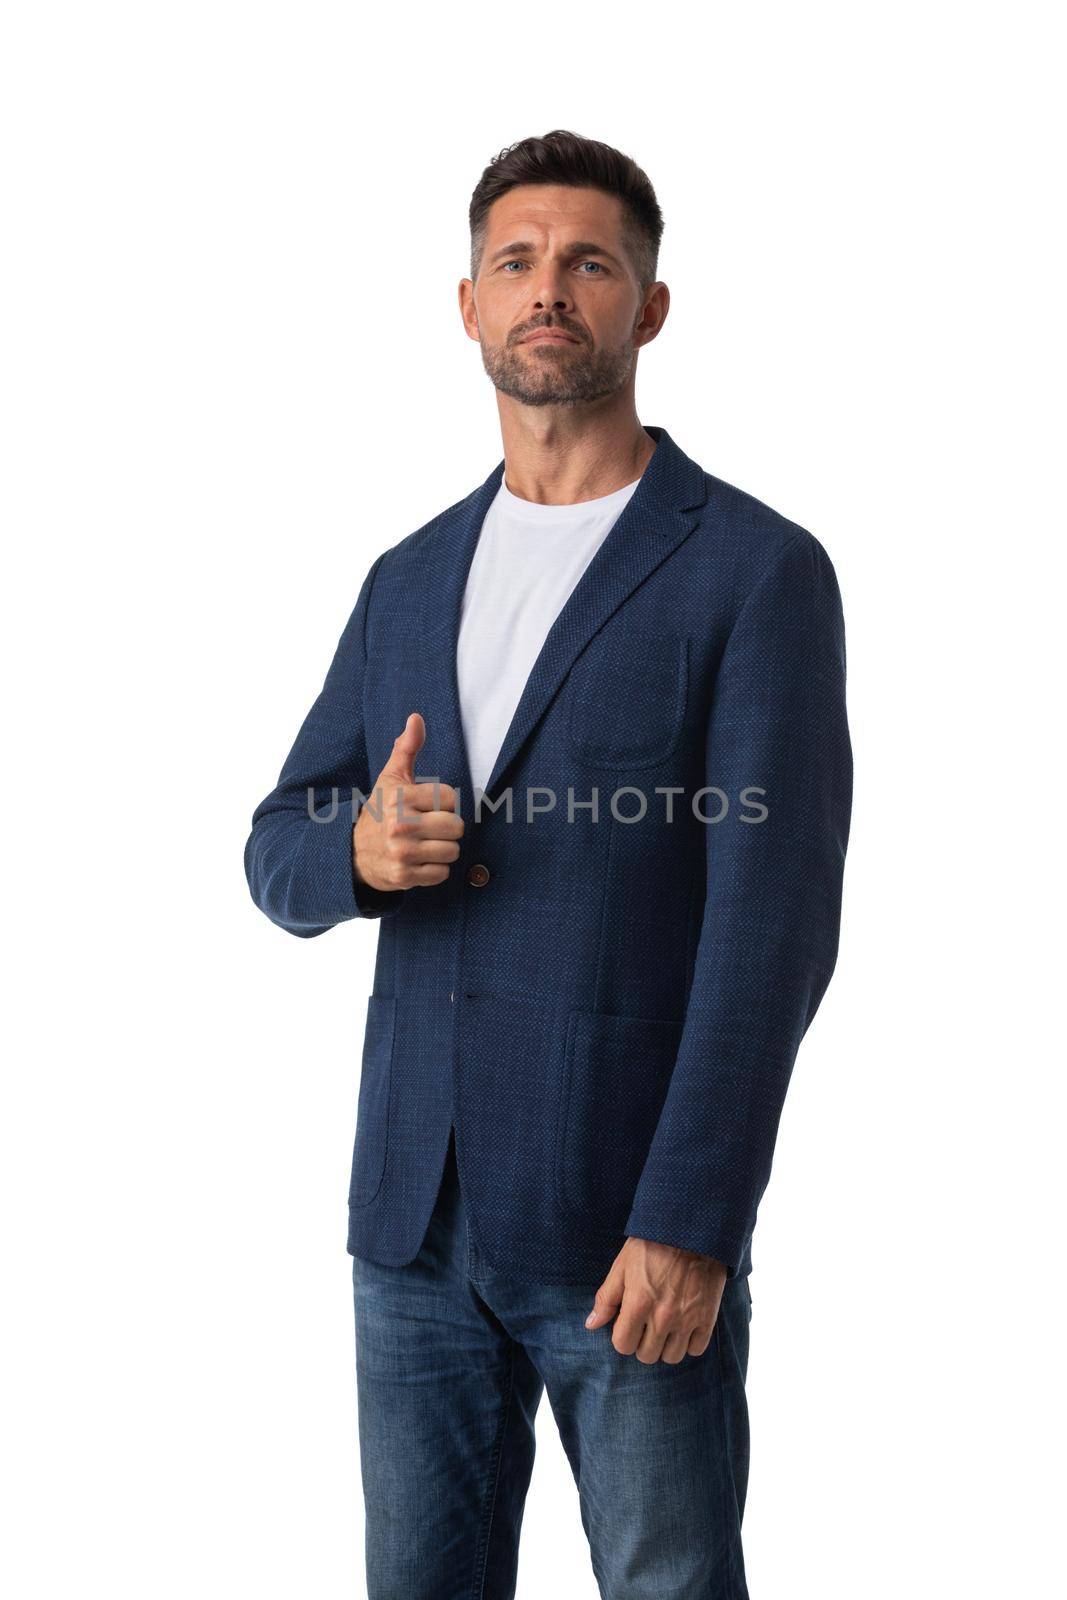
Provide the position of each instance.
(555, 262)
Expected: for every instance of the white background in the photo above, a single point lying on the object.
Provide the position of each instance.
(233, 372)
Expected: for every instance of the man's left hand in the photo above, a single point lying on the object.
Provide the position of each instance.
(666, 1301)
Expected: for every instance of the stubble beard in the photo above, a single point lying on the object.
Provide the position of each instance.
(551, 375)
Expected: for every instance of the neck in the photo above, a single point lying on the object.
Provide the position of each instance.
(560, 456)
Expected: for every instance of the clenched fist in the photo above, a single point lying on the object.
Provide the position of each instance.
(399, 840)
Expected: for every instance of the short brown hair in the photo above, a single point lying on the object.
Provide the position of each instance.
(566, 158)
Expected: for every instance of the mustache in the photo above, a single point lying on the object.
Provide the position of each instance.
(557, 325)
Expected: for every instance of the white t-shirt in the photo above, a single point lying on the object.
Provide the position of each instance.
(527, 560)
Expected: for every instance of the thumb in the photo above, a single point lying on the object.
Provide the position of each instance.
(406, 746)
(607, 1299)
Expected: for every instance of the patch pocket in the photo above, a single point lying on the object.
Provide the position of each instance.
(627, 699)
(617, 1073)
(372, 1111)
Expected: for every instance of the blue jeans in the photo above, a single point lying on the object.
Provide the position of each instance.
(451, 1362)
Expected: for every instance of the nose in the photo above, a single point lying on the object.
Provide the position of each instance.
(551, 289)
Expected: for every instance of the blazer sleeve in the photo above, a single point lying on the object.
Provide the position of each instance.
(298, 857)
(769, 935)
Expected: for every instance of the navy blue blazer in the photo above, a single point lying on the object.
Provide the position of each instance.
(608, 1015)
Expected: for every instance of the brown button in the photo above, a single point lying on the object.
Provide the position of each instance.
(477, 875)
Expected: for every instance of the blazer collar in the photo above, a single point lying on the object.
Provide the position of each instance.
(650, 526)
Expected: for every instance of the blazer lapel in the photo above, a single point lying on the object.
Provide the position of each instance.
(450, 550)
(652, 524)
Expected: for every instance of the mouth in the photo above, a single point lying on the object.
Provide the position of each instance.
(548, 336)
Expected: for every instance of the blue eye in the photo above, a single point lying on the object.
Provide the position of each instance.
(517, 263)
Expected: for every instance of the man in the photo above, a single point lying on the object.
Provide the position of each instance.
(590, 989)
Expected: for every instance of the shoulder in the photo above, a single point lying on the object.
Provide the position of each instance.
(416, 554)
(406, 576)
(759, 533)
(751, 546)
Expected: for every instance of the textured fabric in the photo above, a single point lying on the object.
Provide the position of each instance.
(526, 562)
(611, 1020)
(452, 1360)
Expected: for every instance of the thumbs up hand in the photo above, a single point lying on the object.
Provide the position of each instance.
(408, 842)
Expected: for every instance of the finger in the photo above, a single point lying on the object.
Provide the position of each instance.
(406, 746)
(675, 1347)
(422, 852)
(607, 1299)
(429, 873)
(629, 1326)
(429, 795)
(699, 1340)
(650, 1345)
(432, 824)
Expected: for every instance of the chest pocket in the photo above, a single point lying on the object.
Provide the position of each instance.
(627, 699)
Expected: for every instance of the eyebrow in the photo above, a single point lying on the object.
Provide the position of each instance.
(522, 247)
